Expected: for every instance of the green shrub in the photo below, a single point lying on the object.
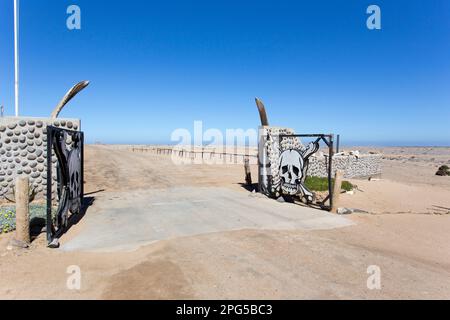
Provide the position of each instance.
(443, 171)
(321, 184)
(347, 186)
(8, 216)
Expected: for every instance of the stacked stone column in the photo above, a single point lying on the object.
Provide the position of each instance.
(23, 151)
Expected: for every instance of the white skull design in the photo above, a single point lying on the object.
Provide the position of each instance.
(291, 171)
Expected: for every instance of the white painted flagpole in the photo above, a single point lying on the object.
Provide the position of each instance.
(16, 56)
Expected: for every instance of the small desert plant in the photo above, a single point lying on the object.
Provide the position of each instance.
(347, 186)
(7, 220)
(8, 216)
(321, 184)
(443, 171)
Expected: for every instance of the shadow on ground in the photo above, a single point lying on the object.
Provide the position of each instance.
(38, 225)
(250, 187)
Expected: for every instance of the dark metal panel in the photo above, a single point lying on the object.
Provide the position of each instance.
(70, 179)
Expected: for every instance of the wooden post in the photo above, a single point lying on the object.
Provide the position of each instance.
(248, 172)
(338, 144)
(337, 190)
(23, 210)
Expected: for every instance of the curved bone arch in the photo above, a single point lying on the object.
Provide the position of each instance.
(262, 113)
(69, 96)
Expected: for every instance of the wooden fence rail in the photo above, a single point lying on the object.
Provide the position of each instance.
(193, 154)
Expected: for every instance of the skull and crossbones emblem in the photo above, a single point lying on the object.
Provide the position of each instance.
(293, 167)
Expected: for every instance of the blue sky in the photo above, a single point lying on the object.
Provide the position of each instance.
(158, 66)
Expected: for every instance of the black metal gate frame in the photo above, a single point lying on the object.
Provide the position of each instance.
(63, 179)
(328, 139)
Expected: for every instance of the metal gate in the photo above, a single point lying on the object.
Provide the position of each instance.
(284, 167)
(65, 153)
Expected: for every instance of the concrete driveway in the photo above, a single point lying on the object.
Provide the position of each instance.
(128, 220)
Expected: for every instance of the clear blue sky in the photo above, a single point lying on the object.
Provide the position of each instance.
(157, 66)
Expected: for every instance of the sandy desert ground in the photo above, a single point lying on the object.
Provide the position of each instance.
(406, 232)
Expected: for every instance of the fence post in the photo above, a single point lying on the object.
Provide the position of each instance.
(338, 144)
(248, 172)
(337, 190)
(23, 210)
